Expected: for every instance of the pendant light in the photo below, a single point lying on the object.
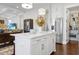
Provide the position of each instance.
(27, 5)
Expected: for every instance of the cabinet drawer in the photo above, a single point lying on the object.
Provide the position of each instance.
(36, 40)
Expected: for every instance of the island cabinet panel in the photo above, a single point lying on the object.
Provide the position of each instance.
(38, 44)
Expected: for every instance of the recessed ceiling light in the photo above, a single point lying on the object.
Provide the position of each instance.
(27, 5)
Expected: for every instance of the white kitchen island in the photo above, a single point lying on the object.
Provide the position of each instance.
(42, 43)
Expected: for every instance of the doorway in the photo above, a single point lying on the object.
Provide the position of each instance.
(73, 23)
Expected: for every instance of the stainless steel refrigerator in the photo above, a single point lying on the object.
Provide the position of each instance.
(59, 29)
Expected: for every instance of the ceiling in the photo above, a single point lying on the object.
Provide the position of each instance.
(10, 9)
(7, 9)
(15, 5)
(12, 6)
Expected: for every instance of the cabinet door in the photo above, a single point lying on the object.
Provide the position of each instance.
(44, 46)
(50, 44)
(39, 46)
(22, 46)
(36, 47)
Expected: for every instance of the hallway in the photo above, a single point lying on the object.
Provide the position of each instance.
(72, 48)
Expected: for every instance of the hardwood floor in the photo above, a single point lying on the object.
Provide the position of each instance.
(72, 48)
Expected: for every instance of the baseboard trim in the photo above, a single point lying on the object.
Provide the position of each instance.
(65, 42)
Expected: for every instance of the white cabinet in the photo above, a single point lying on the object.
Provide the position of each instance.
(39, 46)
(36, 47)
(43, 44)
(51, 43)
(22, 46)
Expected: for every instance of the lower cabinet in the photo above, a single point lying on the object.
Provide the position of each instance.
(50, 44)
(36, 47)
(42, 45)
(39, 46)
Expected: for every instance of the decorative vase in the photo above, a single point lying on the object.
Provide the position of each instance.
(40, 29)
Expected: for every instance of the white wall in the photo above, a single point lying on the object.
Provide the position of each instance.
(57, 11)
(53, 10)
(65, 29)
(33, 13)
(60, 10)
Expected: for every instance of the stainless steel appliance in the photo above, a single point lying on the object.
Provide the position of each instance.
(59, 29)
